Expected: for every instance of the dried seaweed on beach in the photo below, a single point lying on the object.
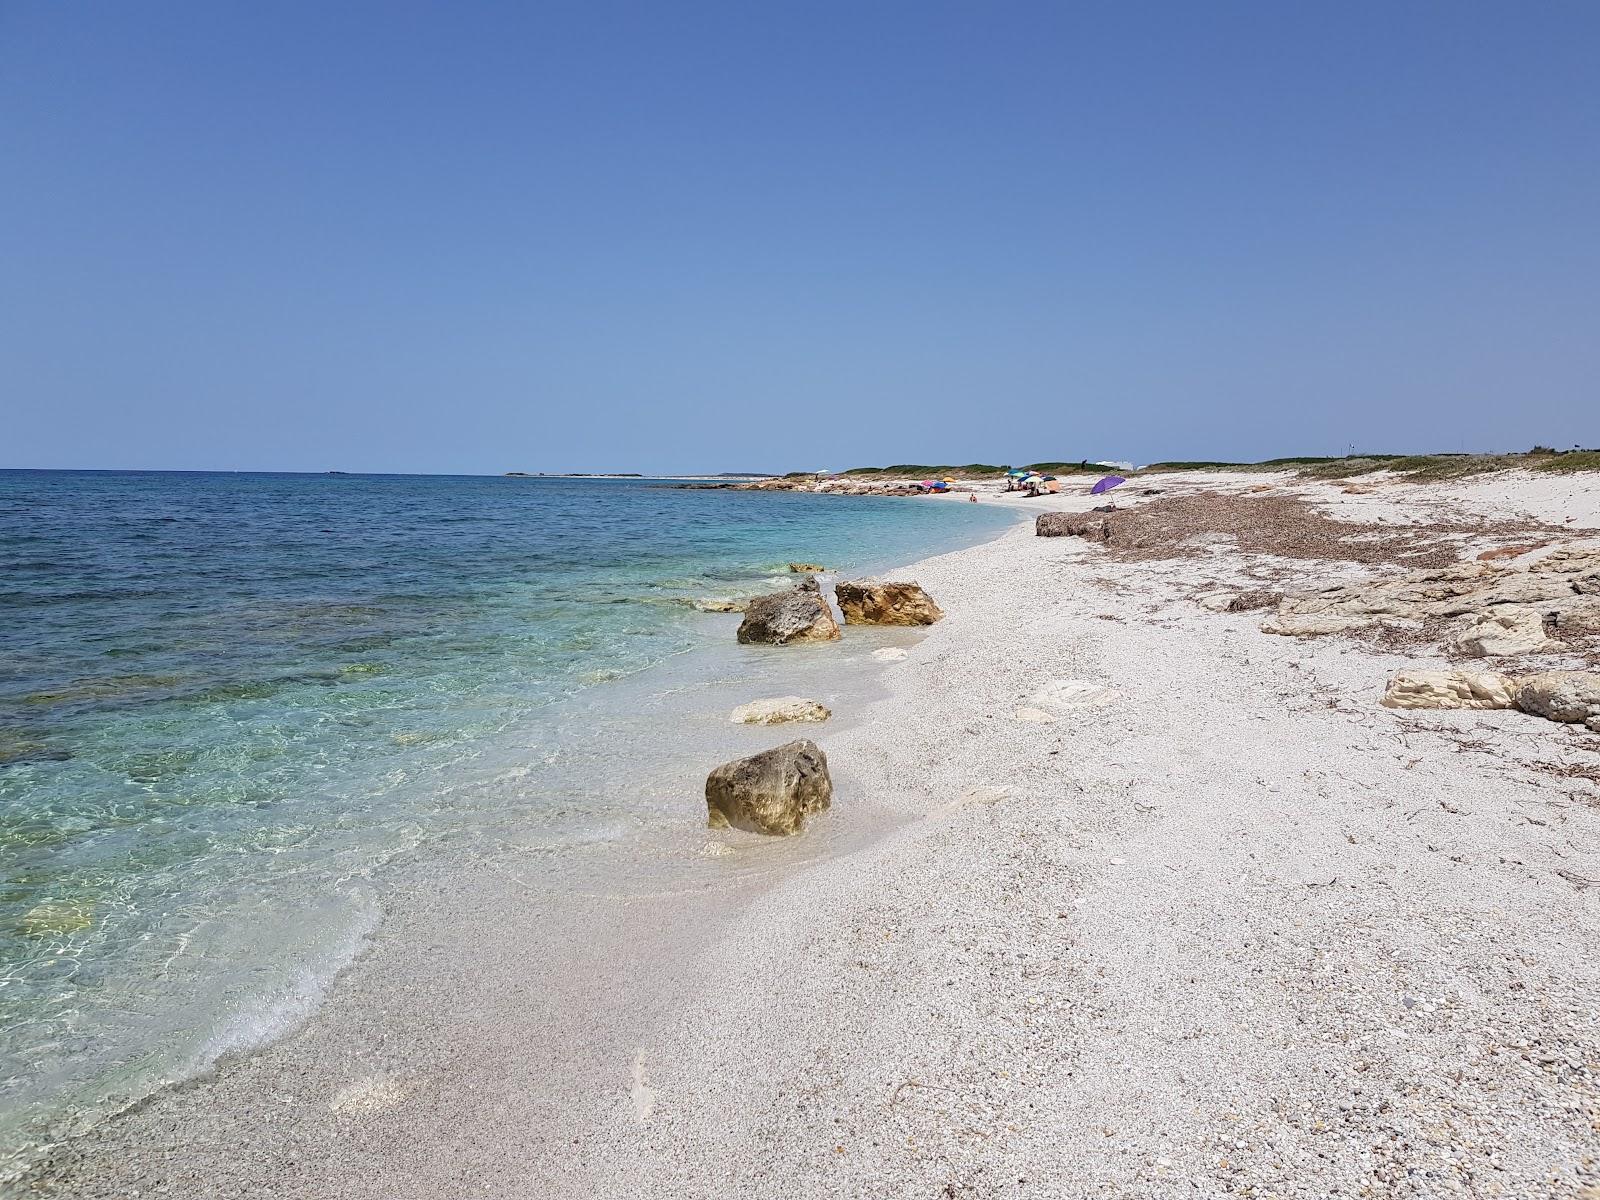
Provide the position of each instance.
(1286, 526)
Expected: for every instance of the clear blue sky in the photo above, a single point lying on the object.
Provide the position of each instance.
(672, 236)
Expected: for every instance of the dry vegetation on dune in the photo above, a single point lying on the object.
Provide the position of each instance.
(1285, 526)
(1413, 468)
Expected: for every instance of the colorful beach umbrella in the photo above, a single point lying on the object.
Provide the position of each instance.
(1106, 484)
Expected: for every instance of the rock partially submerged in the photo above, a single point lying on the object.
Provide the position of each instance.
(778, 710)
(806, 568)
(1448, 689)
(772, 792)
(866, 603)
(798, 615)
(718, 604)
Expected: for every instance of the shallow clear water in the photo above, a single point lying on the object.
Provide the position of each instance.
(227, 701)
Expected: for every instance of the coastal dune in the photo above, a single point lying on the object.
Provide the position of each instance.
(1211, 921)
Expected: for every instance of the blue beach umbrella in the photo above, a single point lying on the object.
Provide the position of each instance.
(1106, 484)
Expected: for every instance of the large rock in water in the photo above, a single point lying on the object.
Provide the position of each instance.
(771, 792)
(1091, 525)
(1570, 696)
(798, 615)
(1448, 689)
(886, 604)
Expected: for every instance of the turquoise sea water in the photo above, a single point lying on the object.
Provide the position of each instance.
(228, 701)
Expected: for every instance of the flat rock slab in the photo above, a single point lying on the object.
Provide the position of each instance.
(1504, 631)
(1063, 695)
(778, 710)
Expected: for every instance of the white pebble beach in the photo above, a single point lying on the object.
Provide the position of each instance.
(1210, 921)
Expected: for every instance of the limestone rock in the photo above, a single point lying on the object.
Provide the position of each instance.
(798, 615)
(1511, 587)
(1580, 564)
(886, 604)
(1502, 631)
(1570, 696)
(1448, 689)
(778, 710)
(771, 792)
(806, 568)
(889, 654)
(1550, 584)
(717, 604)
(1217, 601)
(1577, 617)
(1293, 625)
(1090, 525)
(1059, 695)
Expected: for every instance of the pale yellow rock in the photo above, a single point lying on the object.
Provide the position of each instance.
(1504, 631)
(1448, 689)
(779, 710)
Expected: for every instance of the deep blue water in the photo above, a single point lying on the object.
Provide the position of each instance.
(227, 700)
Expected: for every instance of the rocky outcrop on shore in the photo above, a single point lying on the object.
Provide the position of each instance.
(1513, 609)
(772, 792)
(1567, 697)
(865, 603)
(1571, 697)
(800, 614)
(1448, 689)
(1504, 632)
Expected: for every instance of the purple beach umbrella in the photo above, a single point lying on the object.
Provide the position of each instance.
(1106, 484)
